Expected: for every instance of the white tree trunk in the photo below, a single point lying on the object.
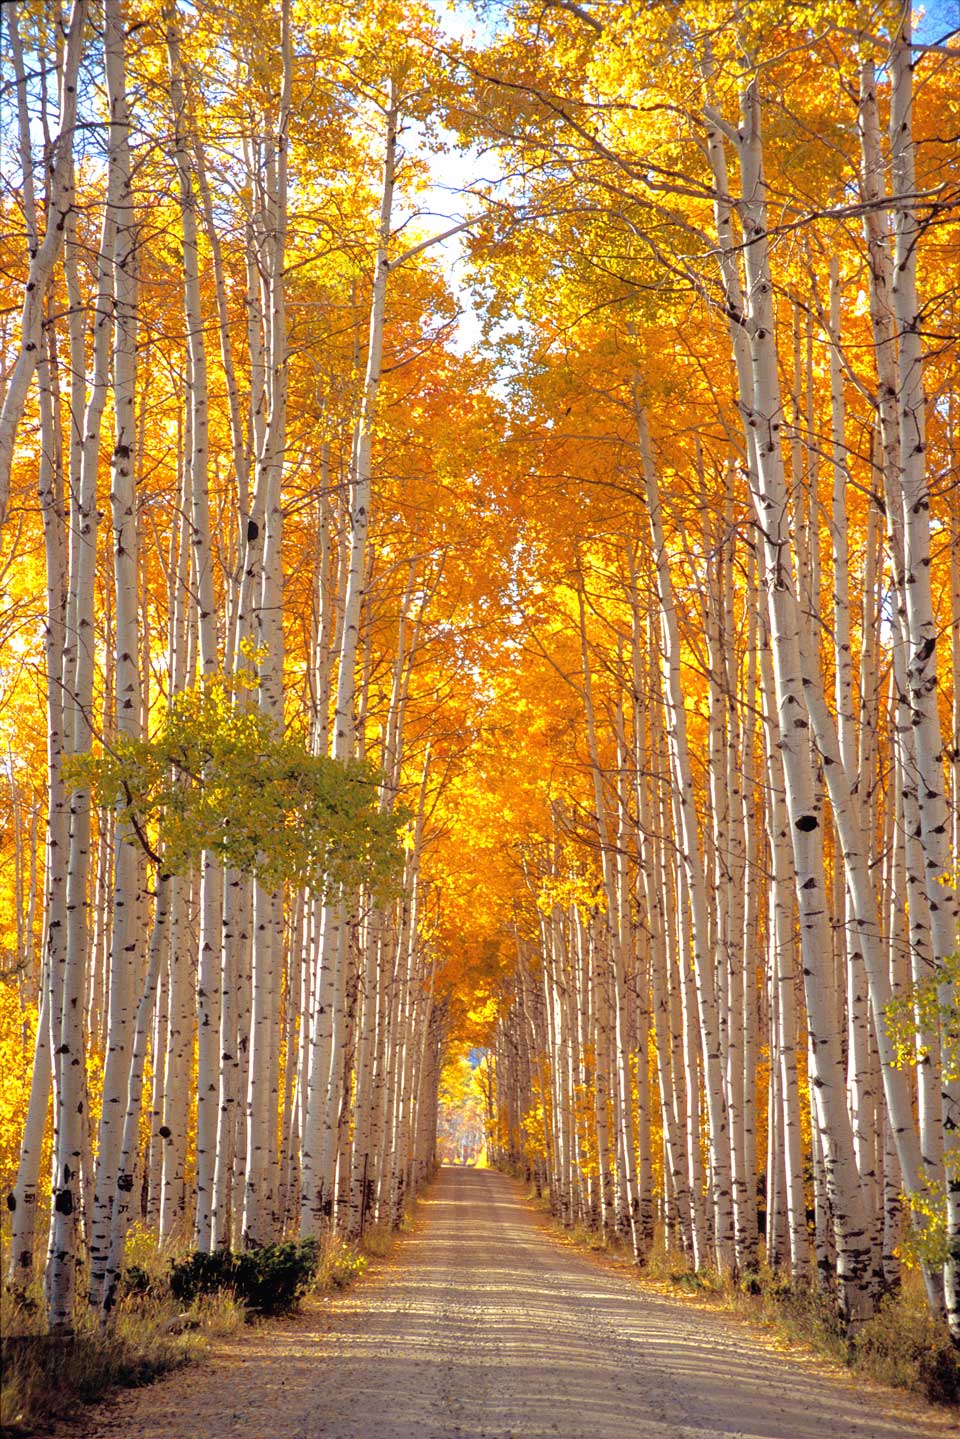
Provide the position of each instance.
(126, 1170)
(43, 253)
(754, 343)
(702, 958)
(124, 938)
(922, 626)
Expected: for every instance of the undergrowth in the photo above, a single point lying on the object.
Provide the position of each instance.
(903, 1345)
(168, 1312)
(340, 1264)
(267, 1280)
(44, 1377)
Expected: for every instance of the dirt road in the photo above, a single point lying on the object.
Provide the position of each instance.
(483, 1327)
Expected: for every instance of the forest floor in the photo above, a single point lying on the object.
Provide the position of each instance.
(481, 1325)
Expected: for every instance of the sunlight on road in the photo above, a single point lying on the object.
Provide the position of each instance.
(480, 1326)
(486, 1328)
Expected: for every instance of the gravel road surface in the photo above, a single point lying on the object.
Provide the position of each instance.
(483, 1326)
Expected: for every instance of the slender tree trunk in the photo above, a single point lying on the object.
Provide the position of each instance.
(43, 253)
(126, 1172)
(754, 343)
(123, 500)
(722, 1196)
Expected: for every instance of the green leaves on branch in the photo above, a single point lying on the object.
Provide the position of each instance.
(219, 775)
(931, 1008)
(928, 1240)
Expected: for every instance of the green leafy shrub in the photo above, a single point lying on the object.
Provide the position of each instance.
(269, 1280)
(136, 1280)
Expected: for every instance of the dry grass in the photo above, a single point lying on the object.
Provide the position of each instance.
(343, 1261)
(904, 1346)
(340, 1264)
(46, 1376)
(378, 1240)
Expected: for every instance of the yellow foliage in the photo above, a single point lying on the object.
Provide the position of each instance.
(18, 1028)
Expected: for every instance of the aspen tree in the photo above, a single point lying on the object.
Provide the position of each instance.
(126, 1174)
(883, 325)
(294, 1007)
(717, 1110)
(325, 1082)
(748, 818)
(198, 398)
(25, 1194)
(181, 958)
(24, 1197)
(614, 940)
(754, 344)
(730, 876)
(228, 1086)
(259, 1203)
(632, 1022)
(783, 959)
(367, 1105)
(78, 682)
(921, 627)
(43, 253)
(175, 1063)
(667, 1029)
(360, 463)
(127, 677)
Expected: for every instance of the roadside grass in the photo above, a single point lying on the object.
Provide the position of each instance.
(341, 1264)
(343, 1261)
(377, 1240)
(902, 1346)
(45, 1378)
